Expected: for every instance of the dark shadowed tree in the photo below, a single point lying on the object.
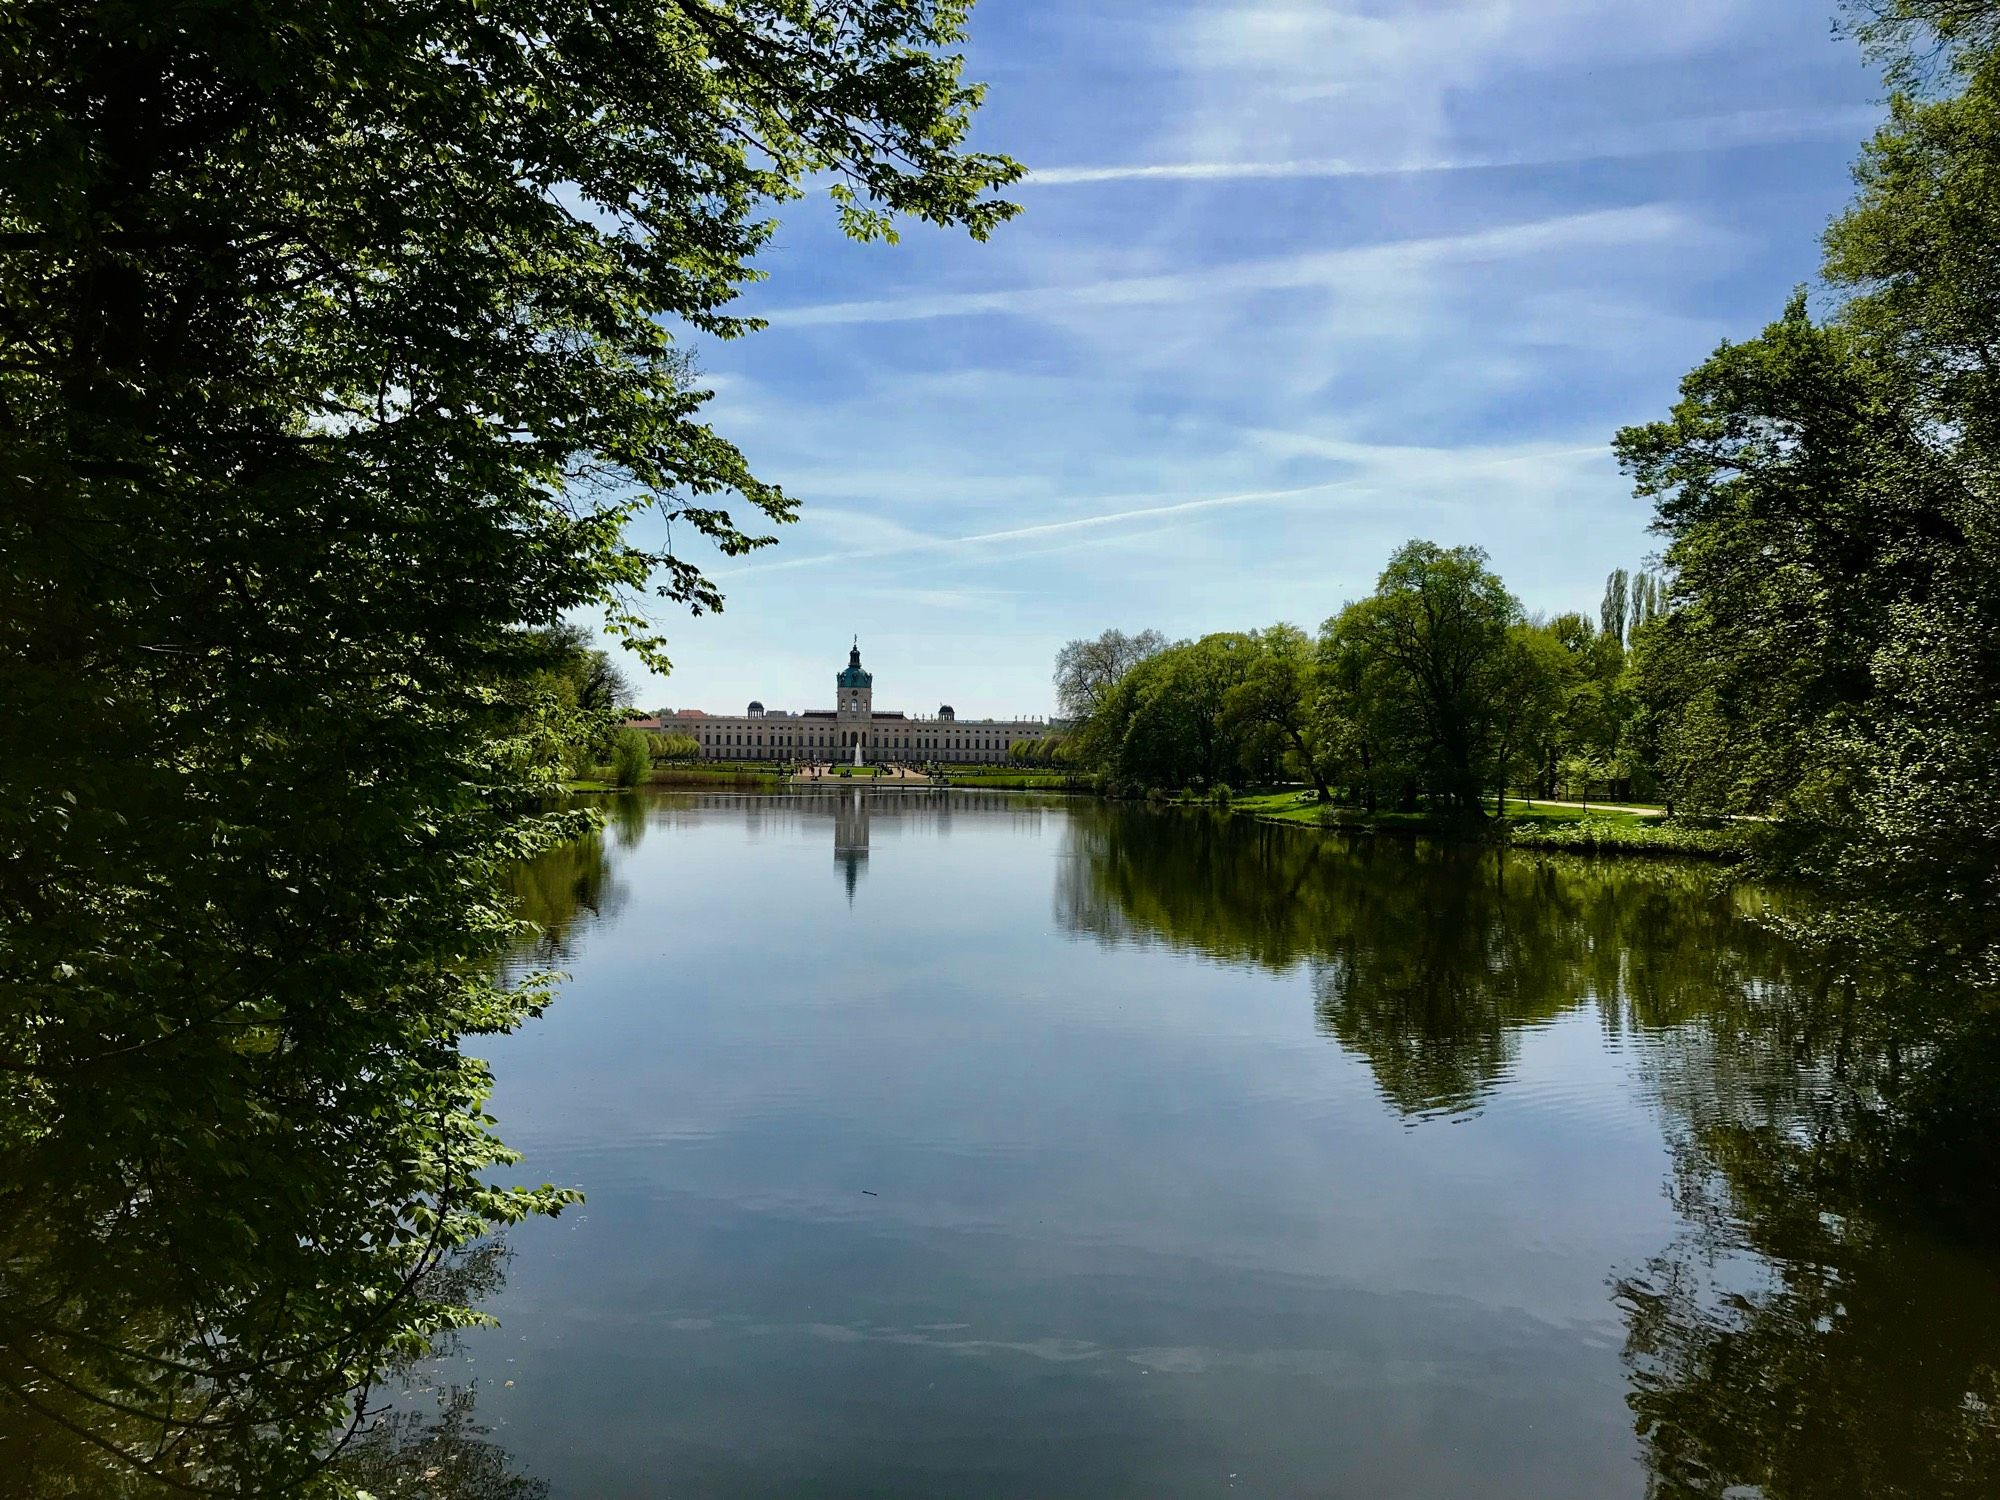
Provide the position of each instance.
(338, 344)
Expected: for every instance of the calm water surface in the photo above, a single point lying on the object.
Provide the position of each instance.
(970, 1145)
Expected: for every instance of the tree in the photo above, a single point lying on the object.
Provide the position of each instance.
(1179, 733)
(1048, 750)
(573, 697)
(1430, 642)
(1781, 485)
(1617, 594)
(600, 688)
(1592, 708)
(673, 746)
(1357, 712)
(1277, 698)
(1832, 656)
(1528, 696)
(1916, 40)
(338, 345)
(1087, 670)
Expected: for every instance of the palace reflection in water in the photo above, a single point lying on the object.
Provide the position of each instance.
(1098, 1150)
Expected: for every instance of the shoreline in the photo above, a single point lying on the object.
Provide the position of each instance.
(1619, 831)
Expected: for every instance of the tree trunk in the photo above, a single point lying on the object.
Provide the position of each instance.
(1312, 766)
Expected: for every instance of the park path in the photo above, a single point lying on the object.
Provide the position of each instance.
(1624, 807)
(829, 774)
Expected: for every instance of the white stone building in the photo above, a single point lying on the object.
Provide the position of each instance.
(833, 734)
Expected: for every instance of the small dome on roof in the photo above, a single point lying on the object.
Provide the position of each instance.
(756, 707)
(944, 711)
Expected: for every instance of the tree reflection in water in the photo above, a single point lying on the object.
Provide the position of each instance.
(76, 1425)
(1827, 1323)
(431, 1446)
(571, 887)
(1427, 961)
(234, 1203)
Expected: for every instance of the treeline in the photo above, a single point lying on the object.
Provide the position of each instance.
(1437, 691)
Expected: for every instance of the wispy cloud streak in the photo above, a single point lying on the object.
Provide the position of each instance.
(1174, 508)
(1707, 133)
(1601, 229)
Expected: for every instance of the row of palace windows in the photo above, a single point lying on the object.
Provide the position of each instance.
(974, 742)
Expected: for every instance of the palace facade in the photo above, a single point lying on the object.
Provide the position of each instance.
(854, 722)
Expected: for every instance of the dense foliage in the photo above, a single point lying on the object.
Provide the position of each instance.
(1436, 690)
(337, 348)
(1830, 656)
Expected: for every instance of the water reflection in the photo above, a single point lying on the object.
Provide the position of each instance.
(444, 1454)
(1808, 1328)
(850, 836)
(1428, 961)
(1825, 1323)
(573, 888)
(173, 1363)
(237, 1183)
(430, 1444)
(1158, 1172)
(1827, 1320)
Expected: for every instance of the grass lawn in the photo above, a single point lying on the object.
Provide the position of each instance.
(1528, 825)
(1010, 780)
(682, 773)
(1297, 806)
(1284, 807)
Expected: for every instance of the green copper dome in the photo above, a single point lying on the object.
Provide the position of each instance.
(852, 676)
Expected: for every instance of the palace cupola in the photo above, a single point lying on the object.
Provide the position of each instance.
(854, 688)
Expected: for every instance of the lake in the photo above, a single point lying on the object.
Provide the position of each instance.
(977, 1145)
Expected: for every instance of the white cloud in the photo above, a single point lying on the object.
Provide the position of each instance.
(1391, 72)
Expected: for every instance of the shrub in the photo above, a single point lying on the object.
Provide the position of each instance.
(631, 757)
(1603, 836)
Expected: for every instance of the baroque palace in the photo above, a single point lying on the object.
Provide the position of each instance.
(854, 729)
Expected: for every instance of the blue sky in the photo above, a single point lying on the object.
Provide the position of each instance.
(1293, 282)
